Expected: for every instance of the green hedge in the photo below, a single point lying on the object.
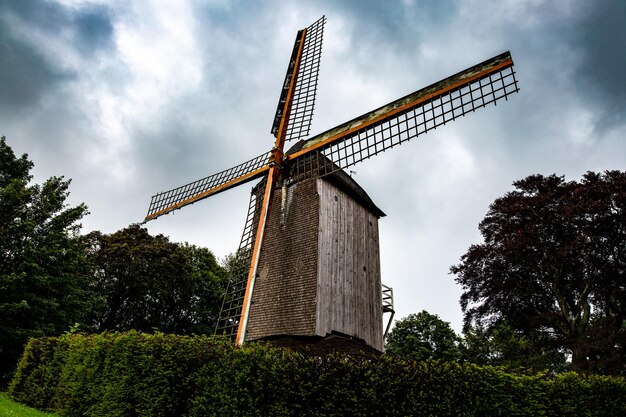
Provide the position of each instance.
(134, 374)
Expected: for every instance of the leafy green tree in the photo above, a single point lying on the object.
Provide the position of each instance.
(149, 283)
(44, 274)
(552, 267)
(423, 336)
(500, 345)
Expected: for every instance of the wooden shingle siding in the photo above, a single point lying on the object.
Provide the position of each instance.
(283, 302)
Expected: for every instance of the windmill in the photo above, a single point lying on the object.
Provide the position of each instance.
(308, 263)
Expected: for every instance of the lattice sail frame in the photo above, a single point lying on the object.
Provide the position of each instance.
(168, 201)
(301, 111)
(404, 119)
(230, 312)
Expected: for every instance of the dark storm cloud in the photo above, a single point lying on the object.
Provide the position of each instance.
(391, 28)
(25, 74)
(600, 36)
(234, 16)
(91, 26)
(25, 70)
(384, 21)
(175, 152)
(94, 29)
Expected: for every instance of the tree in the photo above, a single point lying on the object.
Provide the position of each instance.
(44, 279)
(149, 283)
(552, 268)
(500, 345)
(423, 336)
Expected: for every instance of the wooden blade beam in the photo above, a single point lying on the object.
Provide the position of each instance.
(256, 253)
(168, 201)
(275, 165)
(406, 118)
(291, 70)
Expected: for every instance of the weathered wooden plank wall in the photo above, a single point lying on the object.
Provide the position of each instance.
(348, 289)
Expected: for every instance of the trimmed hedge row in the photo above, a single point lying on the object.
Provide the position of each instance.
(134, 374)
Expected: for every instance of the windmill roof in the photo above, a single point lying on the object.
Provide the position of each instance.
(346, 183)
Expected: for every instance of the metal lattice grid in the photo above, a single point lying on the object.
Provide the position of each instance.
(406, 125)
(165, 202)
(387, 293)
(230, 313)
(301, 112)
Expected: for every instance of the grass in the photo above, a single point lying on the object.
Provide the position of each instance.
(9, 408)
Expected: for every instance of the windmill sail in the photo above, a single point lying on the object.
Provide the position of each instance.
(168, 201)
(405, 118)
(301, 112)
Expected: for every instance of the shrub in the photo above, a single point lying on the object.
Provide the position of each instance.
(134, 374)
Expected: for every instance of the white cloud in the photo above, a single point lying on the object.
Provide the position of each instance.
(209, 72)
(156, 53)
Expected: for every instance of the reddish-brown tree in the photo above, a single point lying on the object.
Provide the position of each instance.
(552, 266)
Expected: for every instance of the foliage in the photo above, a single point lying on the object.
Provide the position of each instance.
(552, 268)
(148, 283)
(500, 345)
(44, 279)
(423, 336)
(133, 374)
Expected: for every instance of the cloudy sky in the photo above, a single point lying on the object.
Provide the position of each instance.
(129, 98)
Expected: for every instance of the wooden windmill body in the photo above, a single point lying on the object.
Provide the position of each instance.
(319, 269)
(308, 261)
